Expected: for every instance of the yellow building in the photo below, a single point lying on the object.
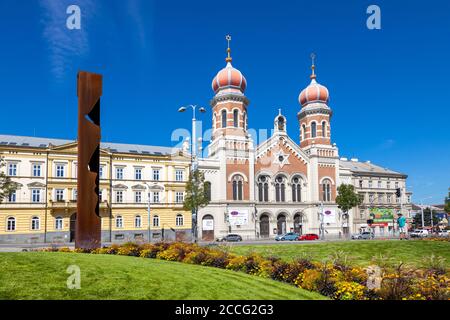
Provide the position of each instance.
(43, 208)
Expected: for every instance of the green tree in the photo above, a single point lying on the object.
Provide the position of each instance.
(197, 195)
(447, 203)
(417, 221)
(6, 185)
(347, 198)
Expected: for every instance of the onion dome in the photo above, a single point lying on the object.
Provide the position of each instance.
(315, 92)
(229, 77)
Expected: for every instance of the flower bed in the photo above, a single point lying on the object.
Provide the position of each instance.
(335, 278)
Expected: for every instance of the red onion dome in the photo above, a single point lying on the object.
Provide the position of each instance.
(229, 78)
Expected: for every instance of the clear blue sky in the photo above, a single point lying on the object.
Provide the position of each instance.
(389, 88)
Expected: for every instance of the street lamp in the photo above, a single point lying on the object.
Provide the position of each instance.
(193, 157)
(148, 212)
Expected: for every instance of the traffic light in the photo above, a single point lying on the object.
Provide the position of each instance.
(398, 192)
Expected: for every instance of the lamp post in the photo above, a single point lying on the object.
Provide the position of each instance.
(194, 161)
(148, 212)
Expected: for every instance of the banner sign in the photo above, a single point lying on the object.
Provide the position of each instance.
(208, 224)
(238, 218)
(329, 215)
(381, 215)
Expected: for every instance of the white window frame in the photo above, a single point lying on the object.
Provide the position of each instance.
(119, 222)
(60, 168)
(156, 174)
(117, 170)
(156, 197)
(137, 219)
(179, 220)
(12, 197)
(36, 167)
(35, 223)
(37, 193)
(138, 194)
(157, 220)
(11, 223)
(119, 195)
(179, 175)
(137, 172)
(59, 223)
(13, 168)
(59, 195)
(179, 197)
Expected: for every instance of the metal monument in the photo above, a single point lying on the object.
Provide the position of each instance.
(88, 224)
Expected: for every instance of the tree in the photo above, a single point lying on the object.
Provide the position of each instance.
(417, 221)
(197, 195)
(6, 185)
(447, 203)
(347, 198)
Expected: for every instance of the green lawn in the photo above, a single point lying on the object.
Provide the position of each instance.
(39, 275)
(360, 251)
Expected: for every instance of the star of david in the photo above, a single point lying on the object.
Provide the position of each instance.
(281, 158)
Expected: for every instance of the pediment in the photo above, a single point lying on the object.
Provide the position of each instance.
(36, 185)
(120, 186)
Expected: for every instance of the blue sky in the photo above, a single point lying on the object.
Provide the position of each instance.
(388, 87)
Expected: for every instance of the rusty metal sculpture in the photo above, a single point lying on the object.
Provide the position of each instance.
(88, 225)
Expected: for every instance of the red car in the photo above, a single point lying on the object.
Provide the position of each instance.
(309, 236)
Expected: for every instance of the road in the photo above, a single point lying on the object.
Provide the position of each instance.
(37, 246)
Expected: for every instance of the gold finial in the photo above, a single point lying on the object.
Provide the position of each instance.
(228, 59)
(313, 66)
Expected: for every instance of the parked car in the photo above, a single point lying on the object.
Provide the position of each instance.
(444, 233)
(230, 238)
(291, 236)
(308, 236)
(363, 236)
(419, 233)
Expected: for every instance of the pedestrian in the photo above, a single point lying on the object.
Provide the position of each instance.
(401, 221)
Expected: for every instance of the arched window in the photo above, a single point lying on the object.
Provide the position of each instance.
(280, 188)
(326, 190)
(179, 221)
(58, 223)
(156, 221)
(207, 190)
(324, 129)
(11, 224)
(119, 222)
(296, 189)
(224, 118)
(35, 223)
(137, 221)
(238, 183)
(236, 118)
(313, 130)
(304, 132)
(263, 189)
(281, 123)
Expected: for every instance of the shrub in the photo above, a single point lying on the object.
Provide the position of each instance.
(64, 249)
(432, 287)
(397, 284)
(215, 258)
(434, 264)
(237, 263)
(349, 290)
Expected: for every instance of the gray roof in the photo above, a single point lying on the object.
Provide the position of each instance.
(368, 168)
(34, 142)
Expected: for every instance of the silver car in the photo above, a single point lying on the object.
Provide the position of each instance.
(363, 236)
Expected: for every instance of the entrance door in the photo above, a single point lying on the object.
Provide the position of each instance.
(208, 228)
(281, 224)
(264, 228)
(298, 223)
(73, 226)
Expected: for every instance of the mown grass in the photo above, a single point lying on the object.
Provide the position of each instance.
(410, 252)
(42, 275)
